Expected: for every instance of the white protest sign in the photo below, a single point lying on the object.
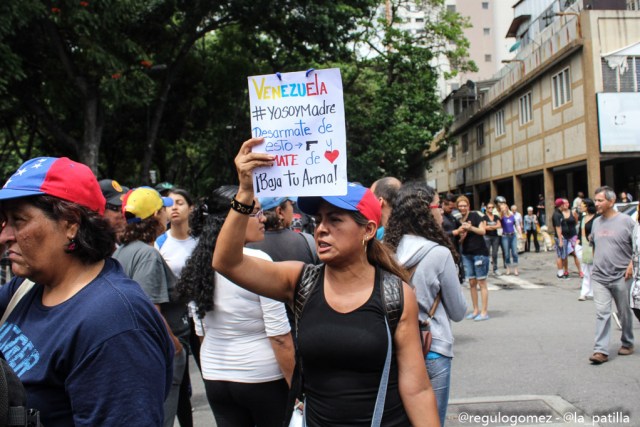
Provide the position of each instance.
(301, 117)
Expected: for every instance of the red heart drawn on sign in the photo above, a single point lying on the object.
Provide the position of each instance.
(332, 155)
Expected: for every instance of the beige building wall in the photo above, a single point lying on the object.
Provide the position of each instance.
(557, 135)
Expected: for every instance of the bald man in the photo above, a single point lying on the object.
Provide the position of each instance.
(385, 189)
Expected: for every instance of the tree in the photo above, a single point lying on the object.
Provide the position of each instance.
(392, 106)
(76, 65)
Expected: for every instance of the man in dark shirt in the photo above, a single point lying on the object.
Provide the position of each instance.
(541, 210)
(450, 223)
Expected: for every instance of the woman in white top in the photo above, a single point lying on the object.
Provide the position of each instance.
(247, 352)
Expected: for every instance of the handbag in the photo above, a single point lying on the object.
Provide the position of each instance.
(587, 249)
(425, 327)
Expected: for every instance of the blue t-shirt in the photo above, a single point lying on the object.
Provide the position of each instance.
(508, 224)
(101, 358)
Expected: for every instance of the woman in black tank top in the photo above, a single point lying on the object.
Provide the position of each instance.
(343, 330)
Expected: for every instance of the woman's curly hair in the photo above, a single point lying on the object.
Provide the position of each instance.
(197, 281)
(411, 214)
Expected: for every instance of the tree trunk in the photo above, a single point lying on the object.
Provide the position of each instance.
(93, 125)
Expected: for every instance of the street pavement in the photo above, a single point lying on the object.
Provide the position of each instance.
(528, 365)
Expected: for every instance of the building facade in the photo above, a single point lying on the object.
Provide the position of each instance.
(562, 117)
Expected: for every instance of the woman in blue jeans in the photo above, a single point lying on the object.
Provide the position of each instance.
(414, 232)
(510, 232)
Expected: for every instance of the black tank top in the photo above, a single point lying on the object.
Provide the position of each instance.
(343, 356)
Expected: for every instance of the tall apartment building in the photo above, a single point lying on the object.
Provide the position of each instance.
(489, 21)
(562, 117)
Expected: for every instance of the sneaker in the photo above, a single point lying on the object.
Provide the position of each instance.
(496, 272)
(617, 320)
(562, 277)
(582, 298)
(471, 316)
(598, 358)
(625, 351)
(480, 317)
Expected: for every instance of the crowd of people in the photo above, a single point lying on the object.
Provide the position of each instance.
(280, 322)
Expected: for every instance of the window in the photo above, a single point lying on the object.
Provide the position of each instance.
(623, 76)
(487, 58)
(526, 114)
(486, 31)
(485, 5)
(561, 88)
(500, 129)
(453, 151)
(480, 135)
(465, 143)
(419, 19)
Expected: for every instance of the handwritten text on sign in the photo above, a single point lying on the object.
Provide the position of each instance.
(301, 118)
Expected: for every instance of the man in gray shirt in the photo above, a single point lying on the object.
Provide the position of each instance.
(611, 235)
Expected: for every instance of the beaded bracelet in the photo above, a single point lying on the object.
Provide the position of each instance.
(241, 207)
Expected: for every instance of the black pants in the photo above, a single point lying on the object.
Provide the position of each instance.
(247, 405)
(493, 243)
(527, 245)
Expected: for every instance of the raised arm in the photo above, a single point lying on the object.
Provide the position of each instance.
(274, 280)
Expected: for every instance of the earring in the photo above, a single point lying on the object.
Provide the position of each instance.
(71, 246)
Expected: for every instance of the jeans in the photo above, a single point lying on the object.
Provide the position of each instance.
(440, 375)
(475, 266)
(603, 294)
(493, 243)
(510, 249)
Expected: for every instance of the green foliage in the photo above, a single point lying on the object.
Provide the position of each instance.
(165, 80)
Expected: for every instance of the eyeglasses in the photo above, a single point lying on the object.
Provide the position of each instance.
(258, 214)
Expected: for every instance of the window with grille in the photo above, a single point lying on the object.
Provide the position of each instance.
(464, 142)
(453, 151)
(561, 88)
(486, 31)
(500, 129)
(526, 111)
(624, 76)
(480, 135)
(485, 5)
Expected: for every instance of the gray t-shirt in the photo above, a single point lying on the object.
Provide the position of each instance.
(613, 248)
(144, 264)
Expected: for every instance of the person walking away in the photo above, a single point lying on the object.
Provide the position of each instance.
(491, 236)
(147, 219)
(415, 233)
(475, 257)
(588, 209)
(531, 230)
(509, 237)
(86, 343)
(612, 235)
(247, 355)
(176, 245)
(346, 333)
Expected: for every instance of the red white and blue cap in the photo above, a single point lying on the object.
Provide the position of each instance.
(58, 177)
(358, 198)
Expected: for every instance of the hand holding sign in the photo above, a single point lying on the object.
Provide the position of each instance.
(301, 118)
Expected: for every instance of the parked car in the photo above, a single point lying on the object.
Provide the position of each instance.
(630, 208)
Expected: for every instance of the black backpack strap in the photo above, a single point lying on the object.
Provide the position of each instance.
(392, 293)
(306, 284)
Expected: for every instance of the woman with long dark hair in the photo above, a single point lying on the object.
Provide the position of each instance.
(415, 233)
(344, 339)
(588, 209)
(247, 352)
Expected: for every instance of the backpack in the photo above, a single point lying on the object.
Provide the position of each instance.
(392, 294)
(13, 400)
